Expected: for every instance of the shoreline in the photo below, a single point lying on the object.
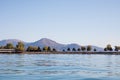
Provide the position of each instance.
(58, 52)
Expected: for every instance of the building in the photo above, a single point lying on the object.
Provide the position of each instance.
(7, 51)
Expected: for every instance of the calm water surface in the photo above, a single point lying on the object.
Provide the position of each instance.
(59, 67)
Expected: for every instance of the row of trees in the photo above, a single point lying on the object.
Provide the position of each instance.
(38, 49)
(82, 48)
(20, 47)
(109, 48)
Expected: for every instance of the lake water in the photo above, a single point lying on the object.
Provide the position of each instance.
(59, 67)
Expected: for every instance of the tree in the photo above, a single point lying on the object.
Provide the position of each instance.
(29, 48)
(35, 48)
(9, 46)
(95, 50)
(54, 50)
(68, 49)
(20, 47)
(117, 48)
(39, 49)
(49, 48)
(78, 49)
(109, 48)
(73, 49)
(63, 50)
(2, 47)
(45, 48)
(83, 48)
(105, 49)
(89, 48)
(32, 48)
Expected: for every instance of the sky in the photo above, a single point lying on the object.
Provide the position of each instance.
(86, 22)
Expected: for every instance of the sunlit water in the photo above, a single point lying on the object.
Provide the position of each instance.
(59, 67)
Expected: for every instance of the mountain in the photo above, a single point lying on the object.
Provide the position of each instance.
(76, 46)
(46, 42)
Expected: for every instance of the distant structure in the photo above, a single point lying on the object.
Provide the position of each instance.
(7, 51)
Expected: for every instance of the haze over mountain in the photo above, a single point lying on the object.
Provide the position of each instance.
(13, 41)
(46, 42)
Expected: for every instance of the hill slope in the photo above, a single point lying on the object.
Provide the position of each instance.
(46, 42)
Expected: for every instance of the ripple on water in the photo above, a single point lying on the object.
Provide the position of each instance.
(59, 67)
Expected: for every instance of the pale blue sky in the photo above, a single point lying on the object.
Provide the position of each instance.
(95, 22)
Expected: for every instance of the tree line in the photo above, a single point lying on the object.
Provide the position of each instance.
(82, 48)
(109, 48)
(20, 47)
(38, 49)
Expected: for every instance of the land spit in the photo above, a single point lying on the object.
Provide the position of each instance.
(60, 52)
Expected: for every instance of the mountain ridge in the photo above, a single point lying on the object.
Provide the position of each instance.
(47, 42)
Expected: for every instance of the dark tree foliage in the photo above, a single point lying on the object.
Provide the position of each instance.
(20, 47)
(105, 49)
(9, 46)
(49, 48)
(43, 49)
(73, 49)
(108, 48)
(39, 49)
(95, 50)
(63, 50)
(68, 49)
(83, 48)
(78, 49)
(32, 49)
(117, 48)
(54, 50)
(89, 48)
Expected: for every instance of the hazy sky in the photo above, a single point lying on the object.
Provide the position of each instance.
(95, 22)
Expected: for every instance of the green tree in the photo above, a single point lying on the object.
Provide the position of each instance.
(35, 48)
(117, 48)
(89, 48)
(32, 48)
(109, 48)
(9, 46)
(45, 48)
(20, 47)
(83, 48)
(29, 48)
